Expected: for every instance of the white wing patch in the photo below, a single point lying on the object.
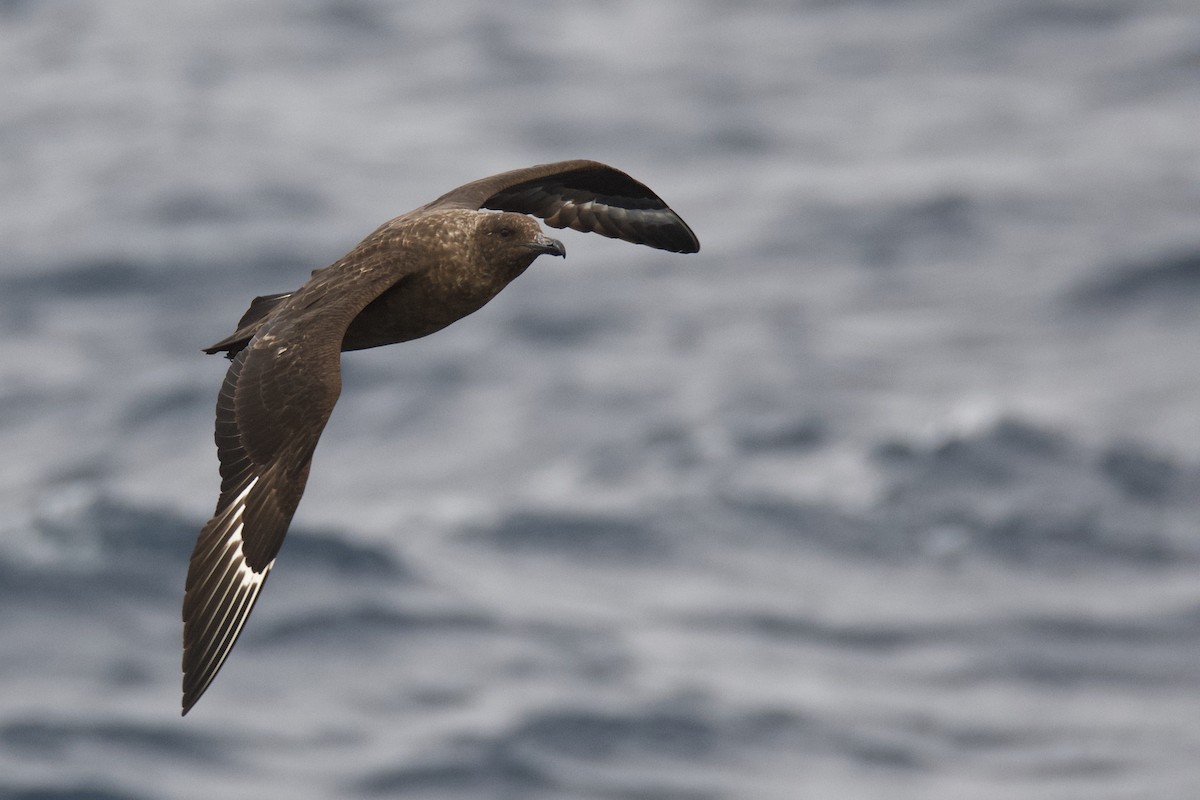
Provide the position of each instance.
(230, 588)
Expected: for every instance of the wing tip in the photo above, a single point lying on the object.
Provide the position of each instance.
(675, 236)
(691, 243)
(220, 592)
(210, 650)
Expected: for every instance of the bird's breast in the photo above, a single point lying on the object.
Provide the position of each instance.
(419, 305)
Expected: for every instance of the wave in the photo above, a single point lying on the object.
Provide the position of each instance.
(66, 791)
(1024, 493)
(1016, 492)
(333, 627)
(574, 535)
(99, 545)
(1028, 494)
(559, 751)
(1170, 280)
(94, 278)
(52, 738)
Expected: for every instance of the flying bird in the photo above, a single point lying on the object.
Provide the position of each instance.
(411, 277)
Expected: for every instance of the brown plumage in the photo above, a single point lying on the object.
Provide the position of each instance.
(413, 276)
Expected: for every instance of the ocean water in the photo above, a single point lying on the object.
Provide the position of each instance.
(892, 491)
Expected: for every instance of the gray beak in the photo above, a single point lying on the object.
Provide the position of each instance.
(544, 245)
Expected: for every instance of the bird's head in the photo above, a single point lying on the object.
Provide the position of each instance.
(513, 241)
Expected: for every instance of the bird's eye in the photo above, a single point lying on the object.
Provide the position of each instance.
(506, 233)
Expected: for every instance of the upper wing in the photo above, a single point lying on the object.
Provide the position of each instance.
(273, 405)
(585, 195)
(276, 398)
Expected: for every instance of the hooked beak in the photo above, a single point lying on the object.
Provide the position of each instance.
(544, 245)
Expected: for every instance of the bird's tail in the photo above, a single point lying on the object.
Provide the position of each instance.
(248, 325)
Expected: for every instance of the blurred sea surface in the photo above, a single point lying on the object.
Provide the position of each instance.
(892, 491)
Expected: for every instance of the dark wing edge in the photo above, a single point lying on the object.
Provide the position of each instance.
(584, 195)
(262, 479)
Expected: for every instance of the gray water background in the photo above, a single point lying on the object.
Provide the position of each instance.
(892, 491)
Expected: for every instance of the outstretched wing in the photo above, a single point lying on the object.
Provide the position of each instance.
(273, 405)
(585, 195)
